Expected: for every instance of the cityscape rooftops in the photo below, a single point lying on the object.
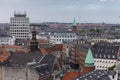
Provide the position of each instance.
(21, 59)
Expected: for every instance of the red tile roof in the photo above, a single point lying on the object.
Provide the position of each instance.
(74, 74)
(22, 50)
(18, 49)
(6, 46)
(42, 41)
(43, 51)
(56, 47)
(4, 56)
(70, 75)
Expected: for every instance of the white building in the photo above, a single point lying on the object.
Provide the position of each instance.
(113, 40)
(58, 38)
(19, 26)
(40, 36)
(105, 56)
(7, 40)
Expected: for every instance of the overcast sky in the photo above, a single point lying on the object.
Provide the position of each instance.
(85, 11)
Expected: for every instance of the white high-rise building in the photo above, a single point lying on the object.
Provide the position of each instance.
(19, 25)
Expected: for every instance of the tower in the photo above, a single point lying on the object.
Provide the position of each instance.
(19, 25)
(89, 61)
(74, 25)
(33, 42)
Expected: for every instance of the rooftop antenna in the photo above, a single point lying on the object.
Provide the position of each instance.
(25, 13)
(14, 12)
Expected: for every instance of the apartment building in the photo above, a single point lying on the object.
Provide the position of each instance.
(7, 40)
(19, 25)
(59, 37)
(105, 55)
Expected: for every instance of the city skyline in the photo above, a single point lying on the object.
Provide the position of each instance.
(85, 11)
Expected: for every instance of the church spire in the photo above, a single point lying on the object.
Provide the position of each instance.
(74, 22)
(89, 61)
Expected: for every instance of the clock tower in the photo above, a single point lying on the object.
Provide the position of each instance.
(33, 42)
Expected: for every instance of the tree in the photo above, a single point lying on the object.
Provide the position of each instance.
(92, 30)
(98, 30)
(83, 30)
(111, 68)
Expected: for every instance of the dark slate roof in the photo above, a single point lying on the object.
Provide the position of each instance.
(105, 51)
(112, 73)
(95, 75)
(21, 59)
(49, 60)
(44, 66)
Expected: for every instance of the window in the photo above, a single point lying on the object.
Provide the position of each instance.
(100, 55)
(113, 56)
(104, 56)
(108, 56)
(95, 55)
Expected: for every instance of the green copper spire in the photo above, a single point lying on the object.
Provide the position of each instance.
(89, 61)
(74, 22)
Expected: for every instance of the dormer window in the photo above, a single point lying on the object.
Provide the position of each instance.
(100, 55)
(96, 55)
(104, 56)
(108, 56)
(113, 56)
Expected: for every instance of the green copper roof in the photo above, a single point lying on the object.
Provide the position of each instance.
(74, 22)
(89, 61)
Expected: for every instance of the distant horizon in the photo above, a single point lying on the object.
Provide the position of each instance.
(61, 22)
(85, 11)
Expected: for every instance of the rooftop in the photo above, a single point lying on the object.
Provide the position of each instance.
(21, 59)
(95, 75)
(102, 51)
(74, 22)
(89, 61)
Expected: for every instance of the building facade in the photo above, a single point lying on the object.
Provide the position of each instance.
(105, 56)
(19, 25)
(59, 37)
(77, 53)
(7, 40)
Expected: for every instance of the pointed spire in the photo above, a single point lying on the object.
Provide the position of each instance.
(89, 61)
(74, 22)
